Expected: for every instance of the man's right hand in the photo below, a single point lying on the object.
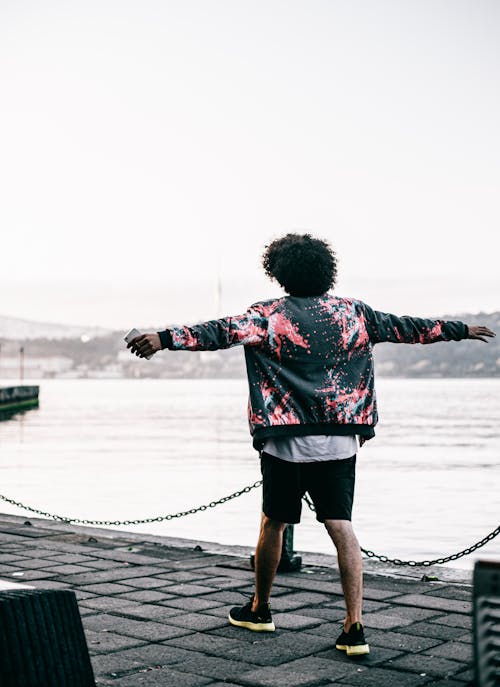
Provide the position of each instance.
(479, 333)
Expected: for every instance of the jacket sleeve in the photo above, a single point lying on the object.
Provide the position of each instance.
(249, 329)
(382, 326)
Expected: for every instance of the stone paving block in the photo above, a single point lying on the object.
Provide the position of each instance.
(386, 620)
(290, 602)
(332, 615)
(106, 588)
(454, 620)
(453, 592)
(278, 590)
(175, 576)
(69, 569)
(141, 629)
(306, 584)
(400, 641)
(193, 603)
(221, 583)
(458, 651)
(403, 585)
(415, 613)
(273, 648)
(121, 556)
(385, 677)
(83, 596)
(428, 664)
(122, 572)
(145, 582)
(11, 558)
(465, 676)
(113, 663)
(101, 564)
(369, 606)
(300, 673)
(216, 570)
(214, 667)
(102, 642)
(210, 644)
(295, 621)
(32, 564)
(25, 574)
(158, 677)
(433, 630)
(74, 558)
(230, 598)
(109, 603)
(146, 595)
(157, 612)
(433, 602)
(50, 584)
(7, 570)
(197, 621)
(155, 654)
(190, 589)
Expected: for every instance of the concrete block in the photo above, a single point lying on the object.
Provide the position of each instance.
(146, 596)
(197, 621)
(433, 630)
(433, 602)
(301, 673)
(458, 651)
(428, 664)
(106, 588)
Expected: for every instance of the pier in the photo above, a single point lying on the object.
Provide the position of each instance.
(154, 610)
(16, 398)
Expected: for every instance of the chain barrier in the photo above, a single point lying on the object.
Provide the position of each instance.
(160, 518)
(236, 494)
(436, 561)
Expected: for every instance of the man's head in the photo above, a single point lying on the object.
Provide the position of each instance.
(301, 264)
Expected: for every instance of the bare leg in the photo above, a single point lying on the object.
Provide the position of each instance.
(350, 567)
(267, 558)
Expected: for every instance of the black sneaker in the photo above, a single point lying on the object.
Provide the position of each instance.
(353, 642)
(260, 621)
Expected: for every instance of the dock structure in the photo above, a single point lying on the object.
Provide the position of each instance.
(154, 610)
(16, 398)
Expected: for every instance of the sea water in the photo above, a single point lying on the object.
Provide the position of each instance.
(427, 485)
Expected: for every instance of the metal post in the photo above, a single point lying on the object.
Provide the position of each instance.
(289, 561)
(21, 363)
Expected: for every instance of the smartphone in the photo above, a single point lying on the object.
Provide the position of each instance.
(131, 335)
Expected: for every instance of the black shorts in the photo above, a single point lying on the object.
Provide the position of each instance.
(330, 484)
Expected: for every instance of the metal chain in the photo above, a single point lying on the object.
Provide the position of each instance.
(440, 561)
(245, 490)
(171, 516)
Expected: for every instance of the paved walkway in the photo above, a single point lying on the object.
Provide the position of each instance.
(155, 613)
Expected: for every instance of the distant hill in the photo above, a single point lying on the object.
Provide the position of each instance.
(88, 351)
(450, 359)
(18, 329)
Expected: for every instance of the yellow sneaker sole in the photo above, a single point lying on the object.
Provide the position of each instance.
(256, 627)
(355, 650)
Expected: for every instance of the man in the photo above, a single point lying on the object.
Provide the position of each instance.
(312, 398)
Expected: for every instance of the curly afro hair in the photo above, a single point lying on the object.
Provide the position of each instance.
(302, 265)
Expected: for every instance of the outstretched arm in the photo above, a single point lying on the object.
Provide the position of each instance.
(383, 326)
(247, 329)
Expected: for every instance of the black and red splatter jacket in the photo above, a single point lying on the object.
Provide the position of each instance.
(309, 360)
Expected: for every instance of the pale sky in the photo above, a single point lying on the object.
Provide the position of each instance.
(146, 147)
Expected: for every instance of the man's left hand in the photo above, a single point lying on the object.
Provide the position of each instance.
(145, 344)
